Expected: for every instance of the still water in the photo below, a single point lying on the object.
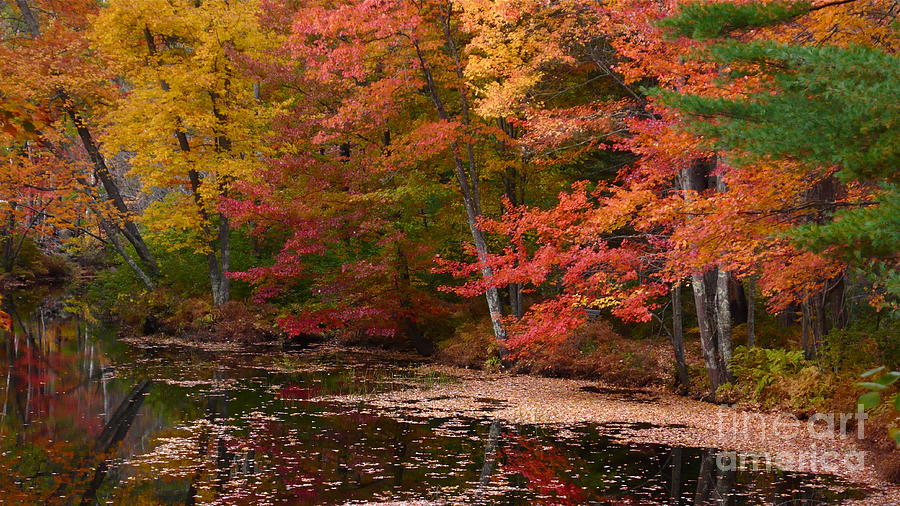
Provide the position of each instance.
(88, 419)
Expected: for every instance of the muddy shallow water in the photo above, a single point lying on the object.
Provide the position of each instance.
(90, 419)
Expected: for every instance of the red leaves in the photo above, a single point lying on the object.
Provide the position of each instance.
(545, 469)
(565, 248)
(357, 149)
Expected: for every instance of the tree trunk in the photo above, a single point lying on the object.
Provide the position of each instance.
(111, 235)
(695, 178)
(824, 192)
(811, 325)
(835, 300)
(31, 22)
(129, 229)
(413, 332)
(751, 309)
(514, 190)
(723, 322)
(515, 300)
(495, 307)
(723, 308)
(218, 281)
(806, 331)
(816, 317)
(468, 186)
(678, 336)
(707, 334)
(9, 259)
(224, 288)
(220, 284)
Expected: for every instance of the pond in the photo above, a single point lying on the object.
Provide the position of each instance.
(89, 419)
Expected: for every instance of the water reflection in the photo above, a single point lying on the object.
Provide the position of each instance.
(87, 420)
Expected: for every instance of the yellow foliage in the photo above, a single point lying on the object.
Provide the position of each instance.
(862, 23)
(515, 44)
(180, 61)
(596, 302)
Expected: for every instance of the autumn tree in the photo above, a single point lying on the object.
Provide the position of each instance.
(352, 221)
(50, 71)
(818, 105)
(188, 114)
(399, 104)
(691, 208)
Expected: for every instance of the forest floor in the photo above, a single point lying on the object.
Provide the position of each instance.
(643, 416)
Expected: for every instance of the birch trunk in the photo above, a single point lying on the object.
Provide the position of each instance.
(694, 178)
(467, 176)
(723, 309)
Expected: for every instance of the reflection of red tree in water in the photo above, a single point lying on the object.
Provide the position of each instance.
(49, 386)
(543, 467)
(282, 463)
(56, 413)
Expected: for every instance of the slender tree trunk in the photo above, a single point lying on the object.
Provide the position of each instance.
(411, 328)
(823, 192)
(223, 145)
(707, 334)
(219, 283)
(751, 309)
(723, 322)
(835, 300)
(468, 185)
(111, 234)
(31, 22)
(217, 279)
(495, 307)
(225, 259)
(470, 176)
(806, 331)
(219, 241)
(129, 229)
(819, 328)
(678, 336)
(515, 300)
(694, 178)
(514, 190)
(723, 308)
(9, 259)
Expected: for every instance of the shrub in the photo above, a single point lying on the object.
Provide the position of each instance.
(472, 345)
(597, 351)
(853, 350)
(33, 264)
(774, 378)
(233, 321)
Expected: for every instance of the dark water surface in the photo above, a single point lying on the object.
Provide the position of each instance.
(88, 419)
